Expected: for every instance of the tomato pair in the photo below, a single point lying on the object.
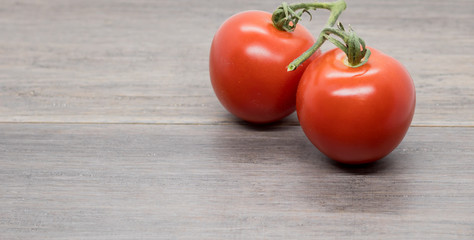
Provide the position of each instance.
(352, 114)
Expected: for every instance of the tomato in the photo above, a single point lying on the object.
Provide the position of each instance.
(355, 115)
(247, 66)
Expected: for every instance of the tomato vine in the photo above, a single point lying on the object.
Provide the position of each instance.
(286, 17)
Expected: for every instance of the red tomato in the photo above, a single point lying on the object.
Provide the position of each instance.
(355, 115)
(247, 66)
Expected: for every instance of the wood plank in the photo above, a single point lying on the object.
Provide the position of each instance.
(146, 61)
(115, 181)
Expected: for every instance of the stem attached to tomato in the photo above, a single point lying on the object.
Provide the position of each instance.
(353, 46)
(286, 16)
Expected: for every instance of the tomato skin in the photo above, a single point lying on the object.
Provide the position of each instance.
(247, 66)
(355, 115)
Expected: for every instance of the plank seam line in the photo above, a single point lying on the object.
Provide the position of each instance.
(198, 124)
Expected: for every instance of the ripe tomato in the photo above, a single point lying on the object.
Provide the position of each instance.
(355, 115)
(247, 66)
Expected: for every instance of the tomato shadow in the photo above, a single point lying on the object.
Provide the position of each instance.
(308, 153)
(378, 167)
(376, 187)
(281, 124)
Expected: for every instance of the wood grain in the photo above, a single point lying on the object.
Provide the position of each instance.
(109, 129)
(227, 182)
(147, 61)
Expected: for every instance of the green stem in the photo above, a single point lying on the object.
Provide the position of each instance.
(307, 54)
(353, 46)
(285, 18)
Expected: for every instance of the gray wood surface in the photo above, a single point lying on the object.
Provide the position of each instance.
(109, 129)
(220, 182)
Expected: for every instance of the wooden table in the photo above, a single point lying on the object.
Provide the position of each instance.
(109, 129)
